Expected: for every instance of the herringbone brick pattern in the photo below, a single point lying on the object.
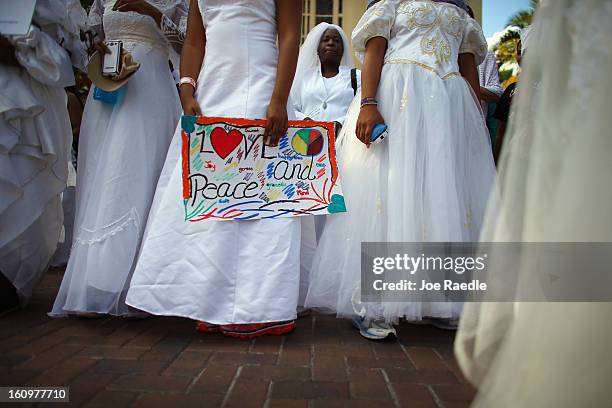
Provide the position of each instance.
(113, 362)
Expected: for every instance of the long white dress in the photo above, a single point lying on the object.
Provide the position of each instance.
(222, 272)
(35, 140)
(321, 99)
(554, 175)
(121, 154)
(430, 179)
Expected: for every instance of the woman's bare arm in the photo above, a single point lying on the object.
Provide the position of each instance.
(369, 116)
(192, 57)
(469, 70)
(289, 15)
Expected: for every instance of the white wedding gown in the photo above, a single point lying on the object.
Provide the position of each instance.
(222, 272)
(35, 140)
(429, 180)
(121, 154)
(555, 178)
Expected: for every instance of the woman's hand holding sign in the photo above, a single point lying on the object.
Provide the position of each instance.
(290, 13)
(188, 101)
(277, 122)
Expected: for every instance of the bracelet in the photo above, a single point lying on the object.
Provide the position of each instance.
(369, 99)
(372, 103)
(190, 81)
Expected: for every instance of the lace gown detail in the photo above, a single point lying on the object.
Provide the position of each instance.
(136, 28)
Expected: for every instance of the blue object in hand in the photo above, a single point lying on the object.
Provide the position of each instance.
(379, 133)
(111, 98)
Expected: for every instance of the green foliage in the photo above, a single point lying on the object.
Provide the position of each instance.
(510, 35)
(506, 52)
(504, 75)
(524, 17)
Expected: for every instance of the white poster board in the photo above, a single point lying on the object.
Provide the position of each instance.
(16, 16)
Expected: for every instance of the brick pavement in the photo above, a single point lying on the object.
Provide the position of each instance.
(164, 362)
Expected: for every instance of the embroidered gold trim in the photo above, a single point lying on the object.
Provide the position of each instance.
(374, 35)
(379, 10)
(435, 25)
(424, 66)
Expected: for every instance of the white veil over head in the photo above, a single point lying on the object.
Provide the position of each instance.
(309, 58)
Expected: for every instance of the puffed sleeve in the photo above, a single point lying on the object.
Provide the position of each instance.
(76, 22)
(95, 19)
(43, 58)
(473, 41)
(63, 21)
(174, 23)
(376, 22)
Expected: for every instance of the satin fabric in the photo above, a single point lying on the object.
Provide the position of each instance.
(222, 272)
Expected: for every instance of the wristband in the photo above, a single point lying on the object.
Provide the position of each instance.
(190, 81)
(368, 101)
(369, 104)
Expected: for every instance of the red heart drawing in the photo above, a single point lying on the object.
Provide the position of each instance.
(224, 143)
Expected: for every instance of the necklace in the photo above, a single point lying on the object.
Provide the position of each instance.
(325, 85)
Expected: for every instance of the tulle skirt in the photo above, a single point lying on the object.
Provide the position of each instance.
(427, 182)
(554, 175)
(121, 154)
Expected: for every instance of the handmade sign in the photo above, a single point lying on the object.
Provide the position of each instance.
(229, 174)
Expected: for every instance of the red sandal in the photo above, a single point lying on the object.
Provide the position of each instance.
(251, 331)
(204, 327)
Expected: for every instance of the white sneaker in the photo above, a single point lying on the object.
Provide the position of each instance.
(374, 329)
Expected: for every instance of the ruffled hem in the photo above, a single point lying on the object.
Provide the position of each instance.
(43, 58)
(27, 255)
(33, 152)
